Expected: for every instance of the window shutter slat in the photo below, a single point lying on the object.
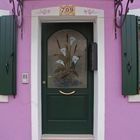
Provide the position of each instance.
(7, 55)
(130, 56)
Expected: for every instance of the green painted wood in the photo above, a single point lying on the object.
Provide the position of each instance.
(7, 55)
(130, 56)
(66, 114)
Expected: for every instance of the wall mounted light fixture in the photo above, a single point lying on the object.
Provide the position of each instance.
(17, 11)
(120, 10)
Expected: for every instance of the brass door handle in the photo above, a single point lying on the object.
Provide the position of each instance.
(66, 93)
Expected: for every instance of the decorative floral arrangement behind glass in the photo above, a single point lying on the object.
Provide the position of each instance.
(67, 60)
(65, 74)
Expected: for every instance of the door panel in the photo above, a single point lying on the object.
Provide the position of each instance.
(57, 110)
(67, 87)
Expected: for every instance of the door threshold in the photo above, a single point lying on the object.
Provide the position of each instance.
(67, 137)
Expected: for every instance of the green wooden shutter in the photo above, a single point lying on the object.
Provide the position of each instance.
(130, 56)
(7, 55)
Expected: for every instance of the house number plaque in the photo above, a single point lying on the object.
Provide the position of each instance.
(67, 10)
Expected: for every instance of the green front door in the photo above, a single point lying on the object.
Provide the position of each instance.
(67, 83)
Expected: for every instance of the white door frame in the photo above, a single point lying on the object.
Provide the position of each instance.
(82, 14)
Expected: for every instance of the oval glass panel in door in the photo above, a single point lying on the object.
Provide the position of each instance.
(67, 60)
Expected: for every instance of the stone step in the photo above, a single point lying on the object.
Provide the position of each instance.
(67, 137)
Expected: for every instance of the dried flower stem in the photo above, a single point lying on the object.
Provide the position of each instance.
(67, 36)
(75, 48)
(58, 43)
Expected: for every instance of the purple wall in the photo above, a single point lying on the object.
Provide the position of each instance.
(15, 116)
(122, 118)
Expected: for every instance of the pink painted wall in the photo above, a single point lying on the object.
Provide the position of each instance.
(122, 119)
(15, 116)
